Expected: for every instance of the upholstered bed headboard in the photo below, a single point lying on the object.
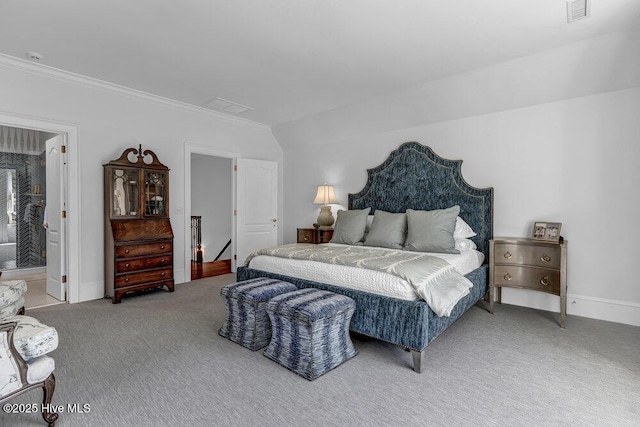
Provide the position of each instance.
(414, 177)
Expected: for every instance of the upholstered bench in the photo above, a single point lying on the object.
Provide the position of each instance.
(310, 331)
(247, 322)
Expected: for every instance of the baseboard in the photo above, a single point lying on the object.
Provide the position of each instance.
(577, 305)
(89, 291)
(21, 272)
(604, 309)
(178, 276)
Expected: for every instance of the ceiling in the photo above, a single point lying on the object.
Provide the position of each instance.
(289, 59)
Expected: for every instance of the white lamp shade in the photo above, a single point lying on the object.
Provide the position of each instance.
(325, 195)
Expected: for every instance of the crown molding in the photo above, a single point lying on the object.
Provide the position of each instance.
(80, 80)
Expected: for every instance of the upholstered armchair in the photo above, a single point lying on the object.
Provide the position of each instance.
(24, 364)
(12, 297)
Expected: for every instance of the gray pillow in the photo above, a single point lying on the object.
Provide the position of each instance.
(388, 230)
(432, 231)
(350, 226)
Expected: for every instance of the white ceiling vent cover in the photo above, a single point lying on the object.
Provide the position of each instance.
(578, 9)
(228, 106)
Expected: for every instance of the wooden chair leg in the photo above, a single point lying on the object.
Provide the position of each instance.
(48, 387)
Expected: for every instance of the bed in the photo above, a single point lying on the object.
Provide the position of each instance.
(412, 177)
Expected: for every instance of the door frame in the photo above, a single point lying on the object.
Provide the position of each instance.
(190, 149)
(72, 232)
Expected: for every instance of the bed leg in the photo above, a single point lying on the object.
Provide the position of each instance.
(417, 360)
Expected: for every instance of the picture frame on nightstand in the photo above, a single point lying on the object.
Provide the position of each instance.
(547, 231)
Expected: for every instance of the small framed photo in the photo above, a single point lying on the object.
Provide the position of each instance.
(549, 231)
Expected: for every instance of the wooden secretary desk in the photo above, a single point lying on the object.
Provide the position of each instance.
(138, 243)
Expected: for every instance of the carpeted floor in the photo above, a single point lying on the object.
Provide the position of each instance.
(157, 360)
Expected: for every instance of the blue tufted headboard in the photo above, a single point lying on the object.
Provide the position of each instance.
(414, 177)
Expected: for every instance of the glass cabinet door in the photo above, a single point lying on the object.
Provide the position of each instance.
(124, 200)
(155, 193)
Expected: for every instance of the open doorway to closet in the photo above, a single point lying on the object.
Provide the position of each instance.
(211, 219)
(27, 184)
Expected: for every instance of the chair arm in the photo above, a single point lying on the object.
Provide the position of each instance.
(9, 327)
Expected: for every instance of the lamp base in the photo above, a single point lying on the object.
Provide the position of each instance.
(325, 219)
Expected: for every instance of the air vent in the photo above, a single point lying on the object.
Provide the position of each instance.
(227, 106)
(578, 9)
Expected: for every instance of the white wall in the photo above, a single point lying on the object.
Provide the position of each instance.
(572, 160)
(109, 121)
(211, 198)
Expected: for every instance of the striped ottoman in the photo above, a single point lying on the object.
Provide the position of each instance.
(310, 331)
(247, 322)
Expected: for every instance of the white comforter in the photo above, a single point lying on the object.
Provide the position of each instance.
(441, 295)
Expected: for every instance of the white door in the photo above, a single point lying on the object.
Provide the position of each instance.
(53, 222)
(256, 207)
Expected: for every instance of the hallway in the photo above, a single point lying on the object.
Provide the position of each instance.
(210, 269)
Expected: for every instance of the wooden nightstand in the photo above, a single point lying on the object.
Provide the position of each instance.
(528, 264)
(314, 235)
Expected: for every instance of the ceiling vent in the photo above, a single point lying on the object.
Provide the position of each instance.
(227, 106)
(578, 9)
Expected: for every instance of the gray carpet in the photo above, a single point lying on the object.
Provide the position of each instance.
(157, 360)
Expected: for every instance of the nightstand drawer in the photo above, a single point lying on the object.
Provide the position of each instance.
(534, 255)
(306, 235)
(539, 279)
(314, 235)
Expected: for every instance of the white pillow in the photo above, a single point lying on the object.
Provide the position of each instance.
(465, 245)
(369, 222)
(462, 230)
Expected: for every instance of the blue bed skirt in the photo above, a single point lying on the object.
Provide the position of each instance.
(410, 324)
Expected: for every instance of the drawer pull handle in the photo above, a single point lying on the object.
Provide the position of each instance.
(127, 265)
(126, 279)
(162, 274)
(162, 247)
(508, 255)
(544, 281)
(306, 238)
(545, 258)
(507, 276)
(162, 261)
(126, 251)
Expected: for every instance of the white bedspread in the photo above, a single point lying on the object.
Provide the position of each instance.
(378, 282)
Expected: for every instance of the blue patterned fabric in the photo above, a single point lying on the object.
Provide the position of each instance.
(410, 324)
(310, 331)
(247, 321)
(414, 177)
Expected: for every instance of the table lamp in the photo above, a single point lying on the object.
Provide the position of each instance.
(325, 197)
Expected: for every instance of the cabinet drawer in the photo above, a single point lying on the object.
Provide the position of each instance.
(543, 256)
(143, 263)
(143, 277)
(126, 251)
(306, 235)
(540, 279)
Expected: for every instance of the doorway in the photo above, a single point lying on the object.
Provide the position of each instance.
(211, 214)
(25, 189)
